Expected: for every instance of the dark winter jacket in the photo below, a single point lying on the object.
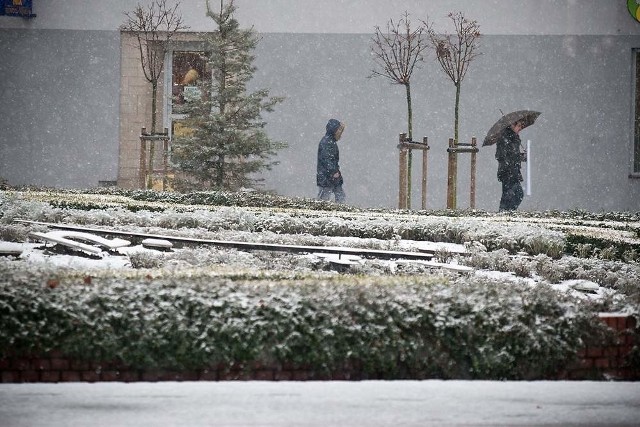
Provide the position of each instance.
(328, 157)
(508, 156)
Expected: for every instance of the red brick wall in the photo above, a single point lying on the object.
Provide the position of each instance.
(596, 362)
(609, 361)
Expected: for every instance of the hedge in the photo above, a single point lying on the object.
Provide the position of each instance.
(394, 328)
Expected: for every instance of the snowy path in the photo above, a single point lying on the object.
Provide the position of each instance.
(366, 403)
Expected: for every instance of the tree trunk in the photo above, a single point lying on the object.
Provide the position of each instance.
(454, 180)
(222, 106)
(154, 111)
(154, 106)
(220, 174)
(457, 111)
(410, 135)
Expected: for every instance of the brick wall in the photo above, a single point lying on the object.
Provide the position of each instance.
(606, 362)
(609, 361)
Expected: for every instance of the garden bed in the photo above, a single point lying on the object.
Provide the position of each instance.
(206, 309)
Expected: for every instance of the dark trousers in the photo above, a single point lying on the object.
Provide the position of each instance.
(512, 195)
(324, 193)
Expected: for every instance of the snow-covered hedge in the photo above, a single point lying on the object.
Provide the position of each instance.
(389, 327)
(551, 233)
(198, 307)
(617, 275)
(356, 223)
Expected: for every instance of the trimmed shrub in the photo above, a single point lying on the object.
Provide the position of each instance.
(402, 327)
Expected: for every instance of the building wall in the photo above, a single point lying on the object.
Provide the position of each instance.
(580, 145)
(73, 100)
(59, 107)
(497, 17)
(135, 112)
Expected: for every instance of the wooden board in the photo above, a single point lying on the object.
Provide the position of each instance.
(157, 243)
(373, 253)
(70, 239)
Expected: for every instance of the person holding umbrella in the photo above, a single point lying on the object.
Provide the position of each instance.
(505, 134)
(509, 167)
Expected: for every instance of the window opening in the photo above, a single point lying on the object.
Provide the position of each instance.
(187, 70)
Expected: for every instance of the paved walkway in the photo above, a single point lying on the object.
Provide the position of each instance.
(366, 403)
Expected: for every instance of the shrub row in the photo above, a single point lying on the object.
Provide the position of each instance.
(262, 199)
(402, 327)
(530, 238)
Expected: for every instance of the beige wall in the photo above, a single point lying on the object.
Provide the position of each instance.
(135, 111)
(135, 106)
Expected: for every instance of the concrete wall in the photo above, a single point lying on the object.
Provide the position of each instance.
(63, 125)
(59, 107)
(497, 17)
(580, 145)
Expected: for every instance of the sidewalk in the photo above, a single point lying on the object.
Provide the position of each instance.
(366, 403)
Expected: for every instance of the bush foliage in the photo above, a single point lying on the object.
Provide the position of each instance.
(408, 327)
(200, 307)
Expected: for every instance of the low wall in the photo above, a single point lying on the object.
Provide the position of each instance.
(607, 362)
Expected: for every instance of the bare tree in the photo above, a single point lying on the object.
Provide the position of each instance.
(397, 53)
(154, 27)
(455, 52)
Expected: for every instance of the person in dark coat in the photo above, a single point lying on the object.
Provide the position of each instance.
(509, 167)
(329, 177)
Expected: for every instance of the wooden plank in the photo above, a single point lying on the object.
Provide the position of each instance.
(11, 249)
(373, 253)
(65, 242)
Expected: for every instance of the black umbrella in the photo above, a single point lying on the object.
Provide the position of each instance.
(527, 117)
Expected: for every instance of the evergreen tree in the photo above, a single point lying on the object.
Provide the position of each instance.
(227, 144)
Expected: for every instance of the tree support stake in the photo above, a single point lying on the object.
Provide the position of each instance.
(405, 145)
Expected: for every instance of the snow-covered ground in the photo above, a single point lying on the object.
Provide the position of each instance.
(321, 404)
(366, 403)
(523, 250)
(32, 253)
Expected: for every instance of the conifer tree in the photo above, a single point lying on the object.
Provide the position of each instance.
(227, 144)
